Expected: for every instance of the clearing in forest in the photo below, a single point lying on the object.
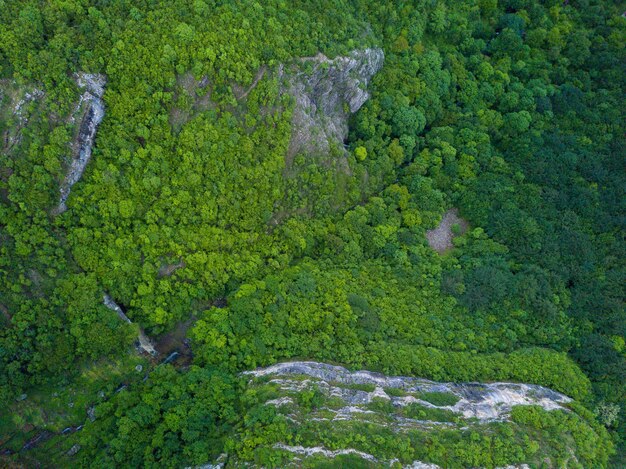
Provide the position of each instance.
(440, 238)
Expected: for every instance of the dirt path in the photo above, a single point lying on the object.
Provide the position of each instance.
(258, 76)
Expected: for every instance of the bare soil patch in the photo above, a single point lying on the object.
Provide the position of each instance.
(168, 269)
(440, 238)
(199, 91)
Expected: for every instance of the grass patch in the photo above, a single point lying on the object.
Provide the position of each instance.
(335, 402)
(381, 405)
(420, 412)
(396, 392)
(439, 398)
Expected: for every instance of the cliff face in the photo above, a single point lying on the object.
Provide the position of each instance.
(18, 104)
(326, 92)
(143, 341)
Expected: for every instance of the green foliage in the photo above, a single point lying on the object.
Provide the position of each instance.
(448, 440)
(439, 398)
(360, 153)
(563, 428)
(310, 399)
(510, 111)
(608, 414)
(172, 419)
(420, 412)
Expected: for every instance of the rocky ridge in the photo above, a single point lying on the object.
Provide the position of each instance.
(18, 111)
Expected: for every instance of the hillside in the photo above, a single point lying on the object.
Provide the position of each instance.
(194, 190)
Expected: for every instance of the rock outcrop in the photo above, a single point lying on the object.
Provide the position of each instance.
(484, 402)
(328, 454)
(143, 340)
(440, 238)
(93, 86)
(326, 92)
(28, 97)
(323, 399)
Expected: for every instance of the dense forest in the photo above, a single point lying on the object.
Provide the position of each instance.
(230, 249)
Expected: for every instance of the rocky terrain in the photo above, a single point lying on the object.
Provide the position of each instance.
(143, 341)
(483, 402)
(91, 107)
(440, 238)
(326, 92)
(323, 399)
(17, 104)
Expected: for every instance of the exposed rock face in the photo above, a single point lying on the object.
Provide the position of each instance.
(73, 450)
(92, 97)
(404, 405)
(421, 465)
(320, 451)
(142, 338)
(113, 306)
(310, 451)
(326, 92)
(168, 269)
(485, 402)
